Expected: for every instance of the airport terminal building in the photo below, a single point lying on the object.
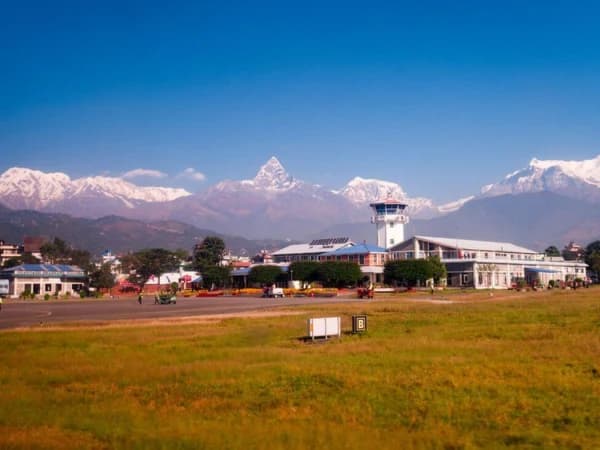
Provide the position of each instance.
(489, 265)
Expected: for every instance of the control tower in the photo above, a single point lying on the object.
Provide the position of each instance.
(389, 219)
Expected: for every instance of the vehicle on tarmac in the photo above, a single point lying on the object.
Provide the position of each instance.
(165, 299)
(273, 292)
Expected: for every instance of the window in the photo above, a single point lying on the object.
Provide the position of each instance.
(48, 287)
(392, 241)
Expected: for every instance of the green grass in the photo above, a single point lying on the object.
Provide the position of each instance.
(518, 372)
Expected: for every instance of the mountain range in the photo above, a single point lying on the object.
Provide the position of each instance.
(276, 204)
(118, 234)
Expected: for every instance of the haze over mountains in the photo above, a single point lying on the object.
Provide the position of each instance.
(563, 197)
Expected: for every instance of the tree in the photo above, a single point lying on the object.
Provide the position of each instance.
(82, 259)
(264, 275)
(56, 252)
(304, 271)
(439, 271)
(412, 271)
(552, 251)
(102, 278)
(338, 273)
(592, 257)
(150, 262)
(216, 276)
(25, 258)
(208, 253)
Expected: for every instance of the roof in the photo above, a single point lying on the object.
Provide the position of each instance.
(244, 271)
(540, 270)
(300, 249)
(387, 201)
(358, 249)
(467, 244)
(34, 270)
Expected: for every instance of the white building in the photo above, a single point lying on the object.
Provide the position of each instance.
(9, 251)
(389, 218)
(42, 279)
(488, 265)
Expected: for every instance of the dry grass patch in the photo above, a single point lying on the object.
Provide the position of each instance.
(519, 372)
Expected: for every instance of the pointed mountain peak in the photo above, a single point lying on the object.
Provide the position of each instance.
(272, 175)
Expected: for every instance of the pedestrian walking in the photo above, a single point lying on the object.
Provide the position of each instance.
(0, 303)
(140, 298)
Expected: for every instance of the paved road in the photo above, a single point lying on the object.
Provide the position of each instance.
(19, 313)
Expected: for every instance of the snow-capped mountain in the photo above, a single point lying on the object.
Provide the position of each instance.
(33, 189)
(362, 191)
(576, 179)
(271, 178)
(273, 203)
(365, 190)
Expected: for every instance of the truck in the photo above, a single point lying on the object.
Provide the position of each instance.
(273, 292)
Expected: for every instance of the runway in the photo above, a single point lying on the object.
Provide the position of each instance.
(23, 313)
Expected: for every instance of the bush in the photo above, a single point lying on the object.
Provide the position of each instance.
(47, 297)
(338, 273)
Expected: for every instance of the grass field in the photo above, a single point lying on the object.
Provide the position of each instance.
(510, 371)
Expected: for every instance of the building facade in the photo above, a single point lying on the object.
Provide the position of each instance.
(487, 264)
(9, 251)
(42, 279)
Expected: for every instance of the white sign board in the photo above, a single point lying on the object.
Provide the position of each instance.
(324, 327)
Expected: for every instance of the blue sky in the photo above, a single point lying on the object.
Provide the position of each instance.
(441, 97)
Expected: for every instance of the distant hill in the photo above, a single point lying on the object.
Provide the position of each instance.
(532, 220)
(117, 233)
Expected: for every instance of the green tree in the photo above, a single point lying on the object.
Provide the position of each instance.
(439, 271)
(208, 253)
(25, 258)
(338, 273)
(217, 276)
(552, 251)
(150, 262)
(102, 278)
(265, 274)
(592, 257)
(304, 271)
(411, 271)
(56, 252)
(82, 259)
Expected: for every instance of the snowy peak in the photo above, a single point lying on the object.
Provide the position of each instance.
(35, 189)
(586, 170)
(578, 179)
(273, 176)
(362, 191)
(365, 190)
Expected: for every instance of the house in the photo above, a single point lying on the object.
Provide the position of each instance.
(9, 251)
(42, 279)
(487, 264)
